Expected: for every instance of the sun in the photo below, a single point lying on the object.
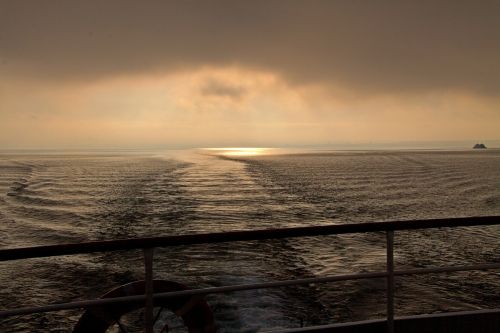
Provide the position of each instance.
(238, 151)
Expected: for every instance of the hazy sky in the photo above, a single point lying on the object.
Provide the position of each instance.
(98, 74)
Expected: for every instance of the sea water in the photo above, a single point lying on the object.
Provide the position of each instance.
(66, 198)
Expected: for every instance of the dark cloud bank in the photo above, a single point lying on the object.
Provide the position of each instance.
(220, 88)
(364, 45)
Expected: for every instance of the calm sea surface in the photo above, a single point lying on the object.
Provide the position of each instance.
(53, 199)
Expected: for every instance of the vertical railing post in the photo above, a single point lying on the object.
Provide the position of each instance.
(148, 287)
(390, 280)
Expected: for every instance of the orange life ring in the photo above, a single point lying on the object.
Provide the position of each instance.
(194, 311)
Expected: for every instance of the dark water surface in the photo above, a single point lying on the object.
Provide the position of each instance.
(53, 199)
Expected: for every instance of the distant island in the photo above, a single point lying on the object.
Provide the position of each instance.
(479, 146)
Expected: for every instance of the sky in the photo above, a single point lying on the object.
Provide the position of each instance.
(167, 74)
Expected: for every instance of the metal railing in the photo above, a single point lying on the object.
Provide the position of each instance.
(148, 245)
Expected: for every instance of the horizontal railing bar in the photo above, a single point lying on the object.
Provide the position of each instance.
(447, 269)
(241, 287)
(275, 284)
(72, 305)
(354, 324)
(201, 291)
(233, 236)
(322, 328)
(453, 313)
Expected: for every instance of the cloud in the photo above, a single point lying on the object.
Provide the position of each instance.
(171, 111)
(366, 46)
(247, 72)
(218, 88)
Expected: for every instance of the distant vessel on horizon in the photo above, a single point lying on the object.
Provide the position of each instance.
(479, 146)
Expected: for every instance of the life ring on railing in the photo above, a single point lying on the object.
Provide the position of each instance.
(194, 311)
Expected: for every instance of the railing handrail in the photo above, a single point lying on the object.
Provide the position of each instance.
(242, 235)
(147, 244)
(88, 303)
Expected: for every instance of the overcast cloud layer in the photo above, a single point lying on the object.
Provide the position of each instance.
(374, 46)
(264, 73)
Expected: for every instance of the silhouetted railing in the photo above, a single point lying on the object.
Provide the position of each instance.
(148, 244)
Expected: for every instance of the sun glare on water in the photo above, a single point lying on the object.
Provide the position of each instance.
(239, 151)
